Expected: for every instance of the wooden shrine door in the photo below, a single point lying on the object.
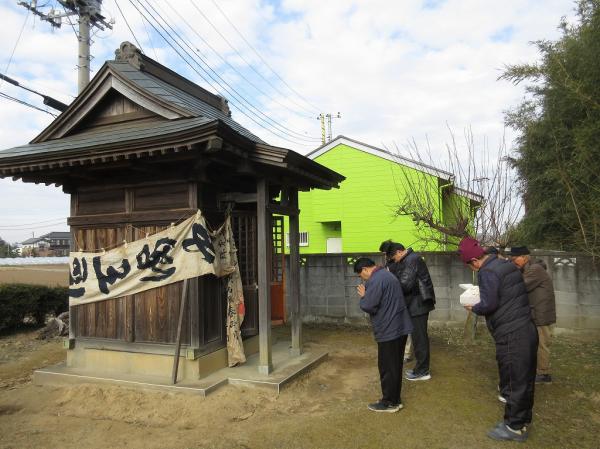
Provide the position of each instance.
(244, 231)
(278, 271)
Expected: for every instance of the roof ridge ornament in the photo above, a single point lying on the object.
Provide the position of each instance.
(127, 52)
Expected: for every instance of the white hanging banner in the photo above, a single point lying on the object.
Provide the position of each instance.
(180, 252)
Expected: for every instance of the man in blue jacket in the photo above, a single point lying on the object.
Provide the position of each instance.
(381, 297)
(505, 305)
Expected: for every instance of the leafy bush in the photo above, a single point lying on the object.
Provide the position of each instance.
(21, 301)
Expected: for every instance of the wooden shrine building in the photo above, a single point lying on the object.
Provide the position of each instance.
(139, 149)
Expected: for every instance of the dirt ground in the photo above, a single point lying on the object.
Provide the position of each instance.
(325, 408)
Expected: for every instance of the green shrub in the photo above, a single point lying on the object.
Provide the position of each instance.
(20, 301)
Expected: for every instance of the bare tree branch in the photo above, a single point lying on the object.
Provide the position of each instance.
(470, 196)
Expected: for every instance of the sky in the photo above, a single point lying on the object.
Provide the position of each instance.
(399, 72)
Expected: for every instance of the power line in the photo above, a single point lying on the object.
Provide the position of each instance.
(48, 101)
(127, 23)
(226, 86)
(149, 37)
(262, 59)
(15, 47)
(309, 111)
(35, 222)
(26, 228)
(24, 103)
(89, 16)
(261, 91)
(228, 89)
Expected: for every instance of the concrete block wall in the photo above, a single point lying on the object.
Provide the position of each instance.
(328, 287)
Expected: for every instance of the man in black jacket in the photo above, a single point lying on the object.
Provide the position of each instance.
(381, 297)
(411, 270)
(505, 305)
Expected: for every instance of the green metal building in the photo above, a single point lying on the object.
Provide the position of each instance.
(359, 215)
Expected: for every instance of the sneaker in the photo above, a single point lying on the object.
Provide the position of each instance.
(502, 399)
(543, 379)
(380, 406)
(411, 375)
(502, 432)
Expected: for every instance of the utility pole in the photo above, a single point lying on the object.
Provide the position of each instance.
(88, 13)
(321, 117)
(326, 137)
(83, 58)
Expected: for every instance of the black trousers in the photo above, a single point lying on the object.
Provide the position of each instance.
(420, 339)
(390, 357)
(516, 354)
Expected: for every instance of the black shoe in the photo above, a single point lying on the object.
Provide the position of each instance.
(543, 379)
(380, 406)
(502, 432)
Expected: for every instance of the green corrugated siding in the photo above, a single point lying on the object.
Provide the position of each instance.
(364, 204)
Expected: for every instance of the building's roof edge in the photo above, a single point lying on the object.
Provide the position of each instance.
(343, 140)
(468, 194)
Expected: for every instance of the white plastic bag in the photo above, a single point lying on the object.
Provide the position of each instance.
(470, 296)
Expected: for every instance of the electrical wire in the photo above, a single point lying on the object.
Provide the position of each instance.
(303, 136)
(72, 26)
(230, 90)
(15, 47)
(261, 91)
(35, 222)
(149, 38)
(249, 64)
(262, 59)
(226, 86)
(127, 23)
(26, 228)
(24, 103)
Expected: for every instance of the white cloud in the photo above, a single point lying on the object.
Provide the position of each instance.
(395, 70)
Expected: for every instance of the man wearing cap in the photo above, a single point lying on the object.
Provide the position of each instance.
(381, 297)
(504, 303)
(543, 306)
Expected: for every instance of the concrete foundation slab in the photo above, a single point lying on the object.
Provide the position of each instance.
(285, 368)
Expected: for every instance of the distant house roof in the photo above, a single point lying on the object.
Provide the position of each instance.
(370, 149)
(343, 140)
(468, 194)
(31, 241)
(57, 235)
(34, 240)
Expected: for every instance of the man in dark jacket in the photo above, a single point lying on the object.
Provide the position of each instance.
(411, 270)
(504, 303)
(381, 297)
(543, 306)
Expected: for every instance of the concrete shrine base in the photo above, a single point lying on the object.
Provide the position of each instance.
(285, 368)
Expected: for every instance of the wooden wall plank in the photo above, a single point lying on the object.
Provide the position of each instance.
(149, 316)
(164, 196)
(101, 201)
(104, 319)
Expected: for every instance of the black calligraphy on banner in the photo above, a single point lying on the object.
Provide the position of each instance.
(159, 256)
(201, 240)
(78, 275)
(112, 273)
